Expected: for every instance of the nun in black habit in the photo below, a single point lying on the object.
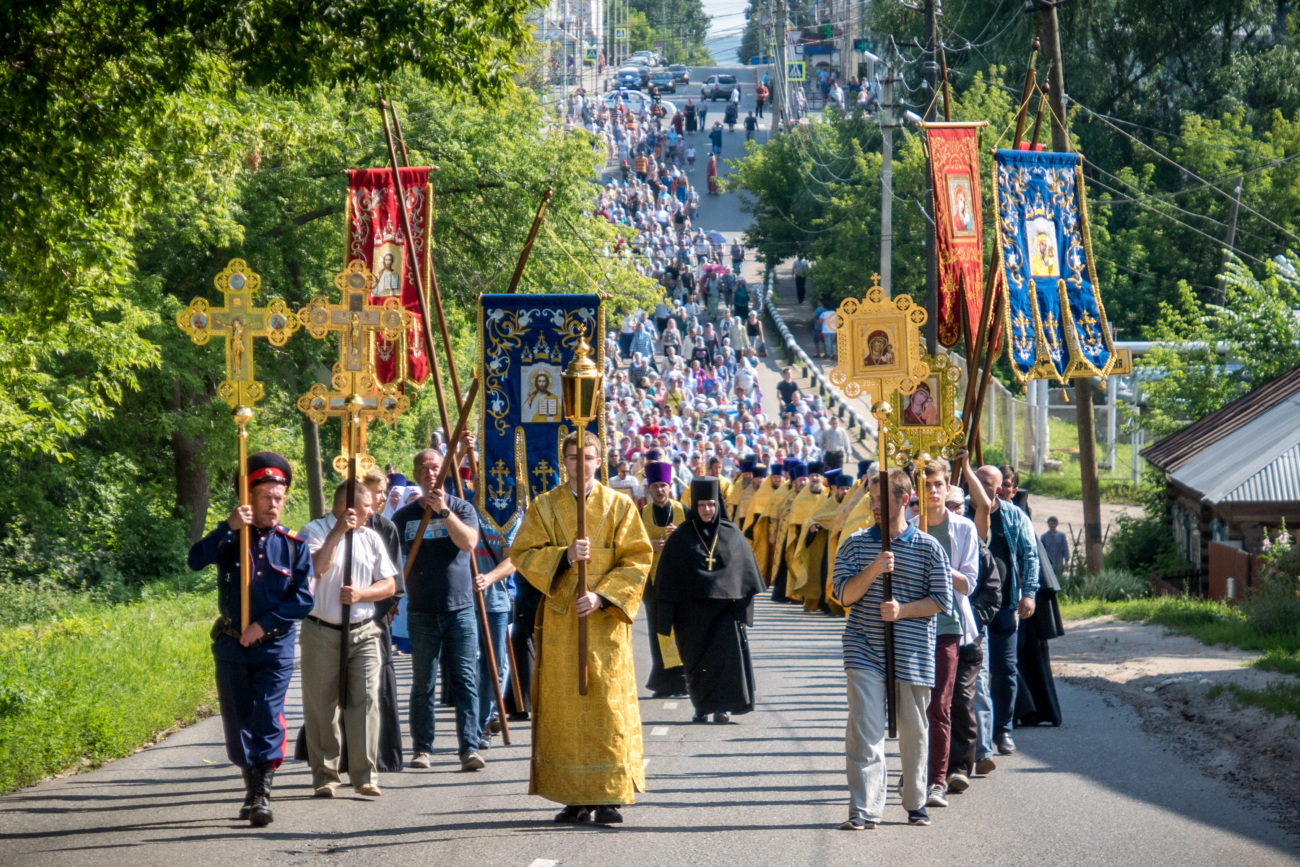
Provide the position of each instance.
(705, 588)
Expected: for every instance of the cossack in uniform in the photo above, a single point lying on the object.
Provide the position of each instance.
(252, 681)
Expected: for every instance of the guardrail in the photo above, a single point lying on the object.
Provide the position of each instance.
(795, 356)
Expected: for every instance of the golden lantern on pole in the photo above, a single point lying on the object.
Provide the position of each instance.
(580, 387)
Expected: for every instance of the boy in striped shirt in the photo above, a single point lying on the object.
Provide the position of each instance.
(922, 588)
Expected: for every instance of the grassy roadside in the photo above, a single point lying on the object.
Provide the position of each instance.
(95, 681)
(1208, 622)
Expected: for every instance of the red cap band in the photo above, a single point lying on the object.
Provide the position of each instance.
(267, 473)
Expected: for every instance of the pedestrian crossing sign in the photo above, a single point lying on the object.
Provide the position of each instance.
(794, 70)
(591, 53)
(620, 33)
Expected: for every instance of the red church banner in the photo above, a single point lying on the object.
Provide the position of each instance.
(954, 166)
(375, 237)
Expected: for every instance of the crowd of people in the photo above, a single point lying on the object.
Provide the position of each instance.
(716, 490)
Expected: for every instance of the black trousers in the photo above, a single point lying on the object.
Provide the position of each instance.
(965, 729)
(800, 286)
(521, 639)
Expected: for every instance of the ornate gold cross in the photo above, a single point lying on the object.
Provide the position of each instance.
(356, 321)
(238, 322)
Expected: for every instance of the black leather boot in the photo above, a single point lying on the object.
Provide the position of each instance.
(247, 809)
(261, 814)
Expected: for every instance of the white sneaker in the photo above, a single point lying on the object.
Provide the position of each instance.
(421, 760)
(936, 798)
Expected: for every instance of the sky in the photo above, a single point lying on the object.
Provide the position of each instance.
(728, 24)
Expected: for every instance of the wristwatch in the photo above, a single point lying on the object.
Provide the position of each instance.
(441, 516)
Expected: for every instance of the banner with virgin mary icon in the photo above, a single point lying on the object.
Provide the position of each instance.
(958, 224)
(1053, 316)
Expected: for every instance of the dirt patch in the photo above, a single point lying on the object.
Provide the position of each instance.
(1168, 679)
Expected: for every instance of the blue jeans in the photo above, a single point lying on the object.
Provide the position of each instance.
(498, 623)
(456, 634)
(1002, 670)
(984, 706)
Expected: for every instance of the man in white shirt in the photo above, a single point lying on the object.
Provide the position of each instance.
(373, 579)
(835, 444)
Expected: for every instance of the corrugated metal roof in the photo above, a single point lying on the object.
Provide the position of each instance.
(1175, 450)
(1247, 464)
(1279, 482)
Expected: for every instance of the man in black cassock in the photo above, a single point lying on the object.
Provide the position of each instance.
(706, 583)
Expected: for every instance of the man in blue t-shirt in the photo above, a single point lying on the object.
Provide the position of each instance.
(922, 588)
(440, 611)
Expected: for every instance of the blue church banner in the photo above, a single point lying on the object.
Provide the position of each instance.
(525, 343)
(1054, 317)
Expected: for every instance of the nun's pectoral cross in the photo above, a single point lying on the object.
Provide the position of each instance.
(239, 322)
(356, 320)
(708, 561)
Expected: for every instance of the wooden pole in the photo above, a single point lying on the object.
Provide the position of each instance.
(427, 333)
(947, 94)
(582, 564)
(987, 374)
(354, 404)
(242, 416)
(528, 244)
(982, 344)
(1022, 114)
(881, 411)
(442, 476)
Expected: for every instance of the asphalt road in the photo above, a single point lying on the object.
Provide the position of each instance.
(767, 789)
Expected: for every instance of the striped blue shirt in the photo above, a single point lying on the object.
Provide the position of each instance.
(920, 570)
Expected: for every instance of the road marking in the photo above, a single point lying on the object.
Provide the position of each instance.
(542, 862)
(644, 763)
(659, 731)
(670, 705)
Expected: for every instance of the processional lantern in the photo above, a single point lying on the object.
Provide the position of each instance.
(580, 390)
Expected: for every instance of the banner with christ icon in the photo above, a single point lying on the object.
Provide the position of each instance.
(525, 343)
(1054, 315)
(959, 230)
(375, 236)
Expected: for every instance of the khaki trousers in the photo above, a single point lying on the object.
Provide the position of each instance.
(320, 701)
(864, 743)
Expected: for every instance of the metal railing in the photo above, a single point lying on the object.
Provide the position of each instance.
(797, 357)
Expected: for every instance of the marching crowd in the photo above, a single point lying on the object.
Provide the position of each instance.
(716, 490)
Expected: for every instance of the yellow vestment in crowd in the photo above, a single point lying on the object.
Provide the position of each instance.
(810, 554)
(586, 749)
(759, 520)
(802, 507)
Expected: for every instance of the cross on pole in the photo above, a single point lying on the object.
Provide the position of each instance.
(239, 323)
(357, 396)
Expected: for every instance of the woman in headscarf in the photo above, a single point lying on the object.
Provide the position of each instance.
(705, 588)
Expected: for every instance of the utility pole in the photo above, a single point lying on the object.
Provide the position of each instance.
(780, 90)
(1086, 419)
(932, 12)
(887, 180)
(1221, 291)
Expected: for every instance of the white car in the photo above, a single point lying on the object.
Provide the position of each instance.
(634, 99)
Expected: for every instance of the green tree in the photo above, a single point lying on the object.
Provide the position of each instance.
(109, 103)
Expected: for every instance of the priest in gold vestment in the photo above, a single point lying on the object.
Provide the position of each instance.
(586, 749)
(779, 528)
(815, 567)
(760, 528)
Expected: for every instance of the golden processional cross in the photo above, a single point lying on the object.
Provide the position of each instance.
(356, 321)
(357, 396)
(239, 322)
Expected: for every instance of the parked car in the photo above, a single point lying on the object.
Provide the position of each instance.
(760, 60)
(629, 77)
(717, 87)
(680, 73)
(664, 81)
